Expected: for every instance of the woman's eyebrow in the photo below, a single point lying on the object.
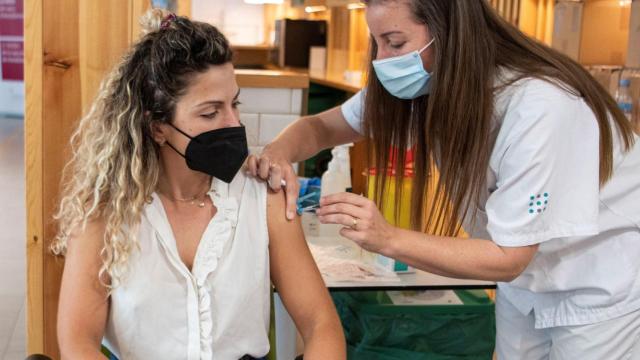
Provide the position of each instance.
(216, 102)
(209, 102)
(391, 33)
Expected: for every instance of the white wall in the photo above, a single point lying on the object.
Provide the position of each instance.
(12, 98)
(265, 112)
(241, 23)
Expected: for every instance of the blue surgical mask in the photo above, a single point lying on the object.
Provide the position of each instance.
(404, 76)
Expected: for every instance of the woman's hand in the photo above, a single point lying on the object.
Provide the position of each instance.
(364, 224)
(274, 168)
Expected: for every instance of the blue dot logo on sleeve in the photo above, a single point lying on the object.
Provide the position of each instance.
(538, 203)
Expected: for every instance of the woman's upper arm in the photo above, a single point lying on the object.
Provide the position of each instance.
(294, 272)
(84, 305)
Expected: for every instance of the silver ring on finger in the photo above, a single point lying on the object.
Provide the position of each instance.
(355, 224)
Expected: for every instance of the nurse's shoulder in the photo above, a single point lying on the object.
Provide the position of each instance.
(544, 106)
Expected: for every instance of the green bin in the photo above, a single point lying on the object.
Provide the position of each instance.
(376, 329)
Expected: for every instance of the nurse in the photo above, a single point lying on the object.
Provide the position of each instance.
(534, 157)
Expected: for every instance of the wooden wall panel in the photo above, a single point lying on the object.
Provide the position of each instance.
(605, 33)
(137, 9)
(338, 41)
(536, 19)
(184, 8)
(358, 40)
(100, 49)
(508, 9)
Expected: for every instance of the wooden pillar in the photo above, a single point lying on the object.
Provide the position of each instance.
(61, 109)
(69, 46)
(33, 73)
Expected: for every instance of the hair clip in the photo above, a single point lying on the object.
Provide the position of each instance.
(167, 21)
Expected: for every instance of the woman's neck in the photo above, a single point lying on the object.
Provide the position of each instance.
(177, 181)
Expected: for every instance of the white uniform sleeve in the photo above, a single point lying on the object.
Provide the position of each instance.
(546, 160)
(352, 111)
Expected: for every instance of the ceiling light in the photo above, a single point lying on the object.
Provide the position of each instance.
(312, 9)
(261, 2)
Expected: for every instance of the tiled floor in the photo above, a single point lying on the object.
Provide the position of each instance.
(12, 237)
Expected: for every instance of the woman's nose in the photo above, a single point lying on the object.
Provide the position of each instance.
(381, 54)
(232, 118)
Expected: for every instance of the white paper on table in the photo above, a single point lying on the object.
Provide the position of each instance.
(341, 263)
(426, 297)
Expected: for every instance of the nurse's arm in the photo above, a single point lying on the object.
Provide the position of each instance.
(309, 135)
(84, 304)
(458, 257)
(299, 284)
(301, 140)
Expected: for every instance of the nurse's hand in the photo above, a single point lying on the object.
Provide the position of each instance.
(273, 168)
(363, 223)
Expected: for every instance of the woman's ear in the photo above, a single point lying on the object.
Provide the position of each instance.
(158, 132)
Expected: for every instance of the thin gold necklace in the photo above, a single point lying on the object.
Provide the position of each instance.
(191, 200)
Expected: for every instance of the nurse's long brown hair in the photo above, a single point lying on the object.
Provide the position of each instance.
(453, 124)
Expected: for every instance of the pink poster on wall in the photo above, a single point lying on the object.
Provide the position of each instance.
(11, 40)
(12, 60)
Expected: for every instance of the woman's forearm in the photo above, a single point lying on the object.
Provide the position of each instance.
(459, 257)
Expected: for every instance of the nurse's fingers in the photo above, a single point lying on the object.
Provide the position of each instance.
(292, 190)
(345, 220)
(275, 177)
(342, 208)
(264, 167)
(346, 197)
(252, 165)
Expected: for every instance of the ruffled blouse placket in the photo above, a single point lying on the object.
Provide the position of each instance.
(210, 250)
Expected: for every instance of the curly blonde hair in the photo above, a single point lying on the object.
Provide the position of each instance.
(114, 167)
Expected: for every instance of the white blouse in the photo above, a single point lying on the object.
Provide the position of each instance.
(220, 309)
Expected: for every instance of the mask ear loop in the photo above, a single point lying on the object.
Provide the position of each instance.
(176, 150)
(426, 46)
(181, 132)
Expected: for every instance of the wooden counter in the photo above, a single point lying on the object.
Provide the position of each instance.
(253, 47)
(272, 79)
(335, 81)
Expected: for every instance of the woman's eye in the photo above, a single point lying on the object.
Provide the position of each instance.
(397, 46)
(210, 115)
(236, 104)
